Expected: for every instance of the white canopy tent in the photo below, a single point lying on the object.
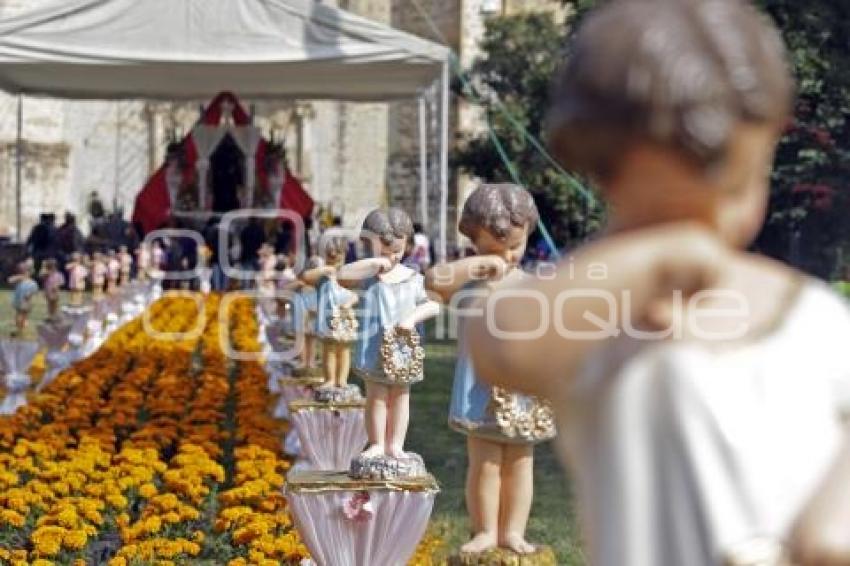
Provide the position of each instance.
(192, 49)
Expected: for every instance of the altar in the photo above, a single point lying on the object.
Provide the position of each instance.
(223, 164)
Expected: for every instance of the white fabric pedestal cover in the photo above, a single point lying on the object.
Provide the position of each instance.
(55, 338)
(330, 436)
(17, 357)
(387, 535)
(289, 394)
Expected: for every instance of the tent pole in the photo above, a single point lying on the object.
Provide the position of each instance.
(444, 161)
(19, 161)
(117, 156)
(423, 165)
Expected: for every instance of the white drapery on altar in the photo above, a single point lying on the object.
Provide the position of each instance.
(206, 139)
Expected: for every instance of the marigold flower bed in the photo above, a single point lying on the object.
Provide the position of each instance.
(152, 452)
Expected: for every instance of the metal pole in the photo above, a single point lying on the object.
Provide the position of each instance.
(423, 164)
(117, 156)
(19, 161)
(444, 161)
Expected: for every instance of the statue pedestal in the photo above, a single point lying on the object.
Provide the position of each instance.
(331, 434)
(17, 357)
(291, 389)
(543, 556)
(359, 523)
(55, 337)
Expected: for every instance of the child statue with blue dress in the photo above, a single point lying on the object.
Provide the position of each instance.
(388, 355)
(304, 305)
(335, 324)
(501, 426)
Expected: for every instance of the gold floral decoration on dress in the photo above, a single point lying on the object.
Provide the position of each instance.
(343, 325)
(533, 423)
(402, 356)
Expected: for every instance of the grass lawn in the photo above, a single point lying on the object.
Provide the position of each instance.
(444, 451)
(37, 315)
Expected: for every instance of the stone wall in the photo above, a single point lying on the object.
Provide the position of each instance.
(404, 169)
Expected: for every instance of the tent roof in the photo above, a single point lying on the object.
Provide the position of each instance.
(187, 49)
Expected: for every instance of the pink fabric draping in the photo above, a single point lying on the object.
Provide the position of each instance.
(389, 536)
(330, 438)
(17, 355)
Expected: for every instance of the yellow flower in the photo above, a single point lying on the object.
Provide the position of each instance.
(153, 524)
(118, 561)
(117, 500)
(74, 540)
(12, 518)
(148, 490)
(67, 517)
(47, 540)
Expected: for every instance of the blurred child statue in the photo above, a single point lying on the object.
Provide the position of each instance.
(304, 306)
(52, 282)
(77, 274)
(143, 261)
(25, 290)
(98, 272)
(266, 275)
(157, 269)
(700, 391)
(501, 426)
(113, 272)
(125, 262)
(204, 269)
(336, 323)
(389, 357)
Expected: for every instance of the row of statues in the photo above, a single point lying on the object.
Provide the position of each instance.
(368, 316)
(101, 273)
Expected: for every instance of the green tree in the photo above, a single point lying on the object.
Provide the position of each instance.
(809, 193)
(511, 79)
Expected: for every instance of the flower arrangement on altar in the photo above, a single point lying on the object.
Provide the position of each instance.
(152, 451)
(181, 178)
(270, 179)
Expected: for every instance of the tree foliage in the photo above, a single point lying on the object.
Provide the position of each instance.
(521, 53)
(809, 192)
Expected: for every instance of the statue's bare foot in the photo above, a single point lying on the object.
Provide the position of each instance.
(395, 452)
(373, 451)
(481, 542)
(517, 543)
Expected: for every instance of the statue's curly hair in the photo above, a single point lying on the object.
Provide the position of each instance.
(679, 73)
(497, 208)
(387, 225)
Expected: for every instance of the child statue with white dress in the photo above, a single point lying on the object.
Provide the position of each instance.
(77, 275)
(125, 261)
(700, 391)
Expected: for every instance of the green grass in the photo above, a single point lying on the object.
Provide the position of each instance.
(553, 520)
(37, 314)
